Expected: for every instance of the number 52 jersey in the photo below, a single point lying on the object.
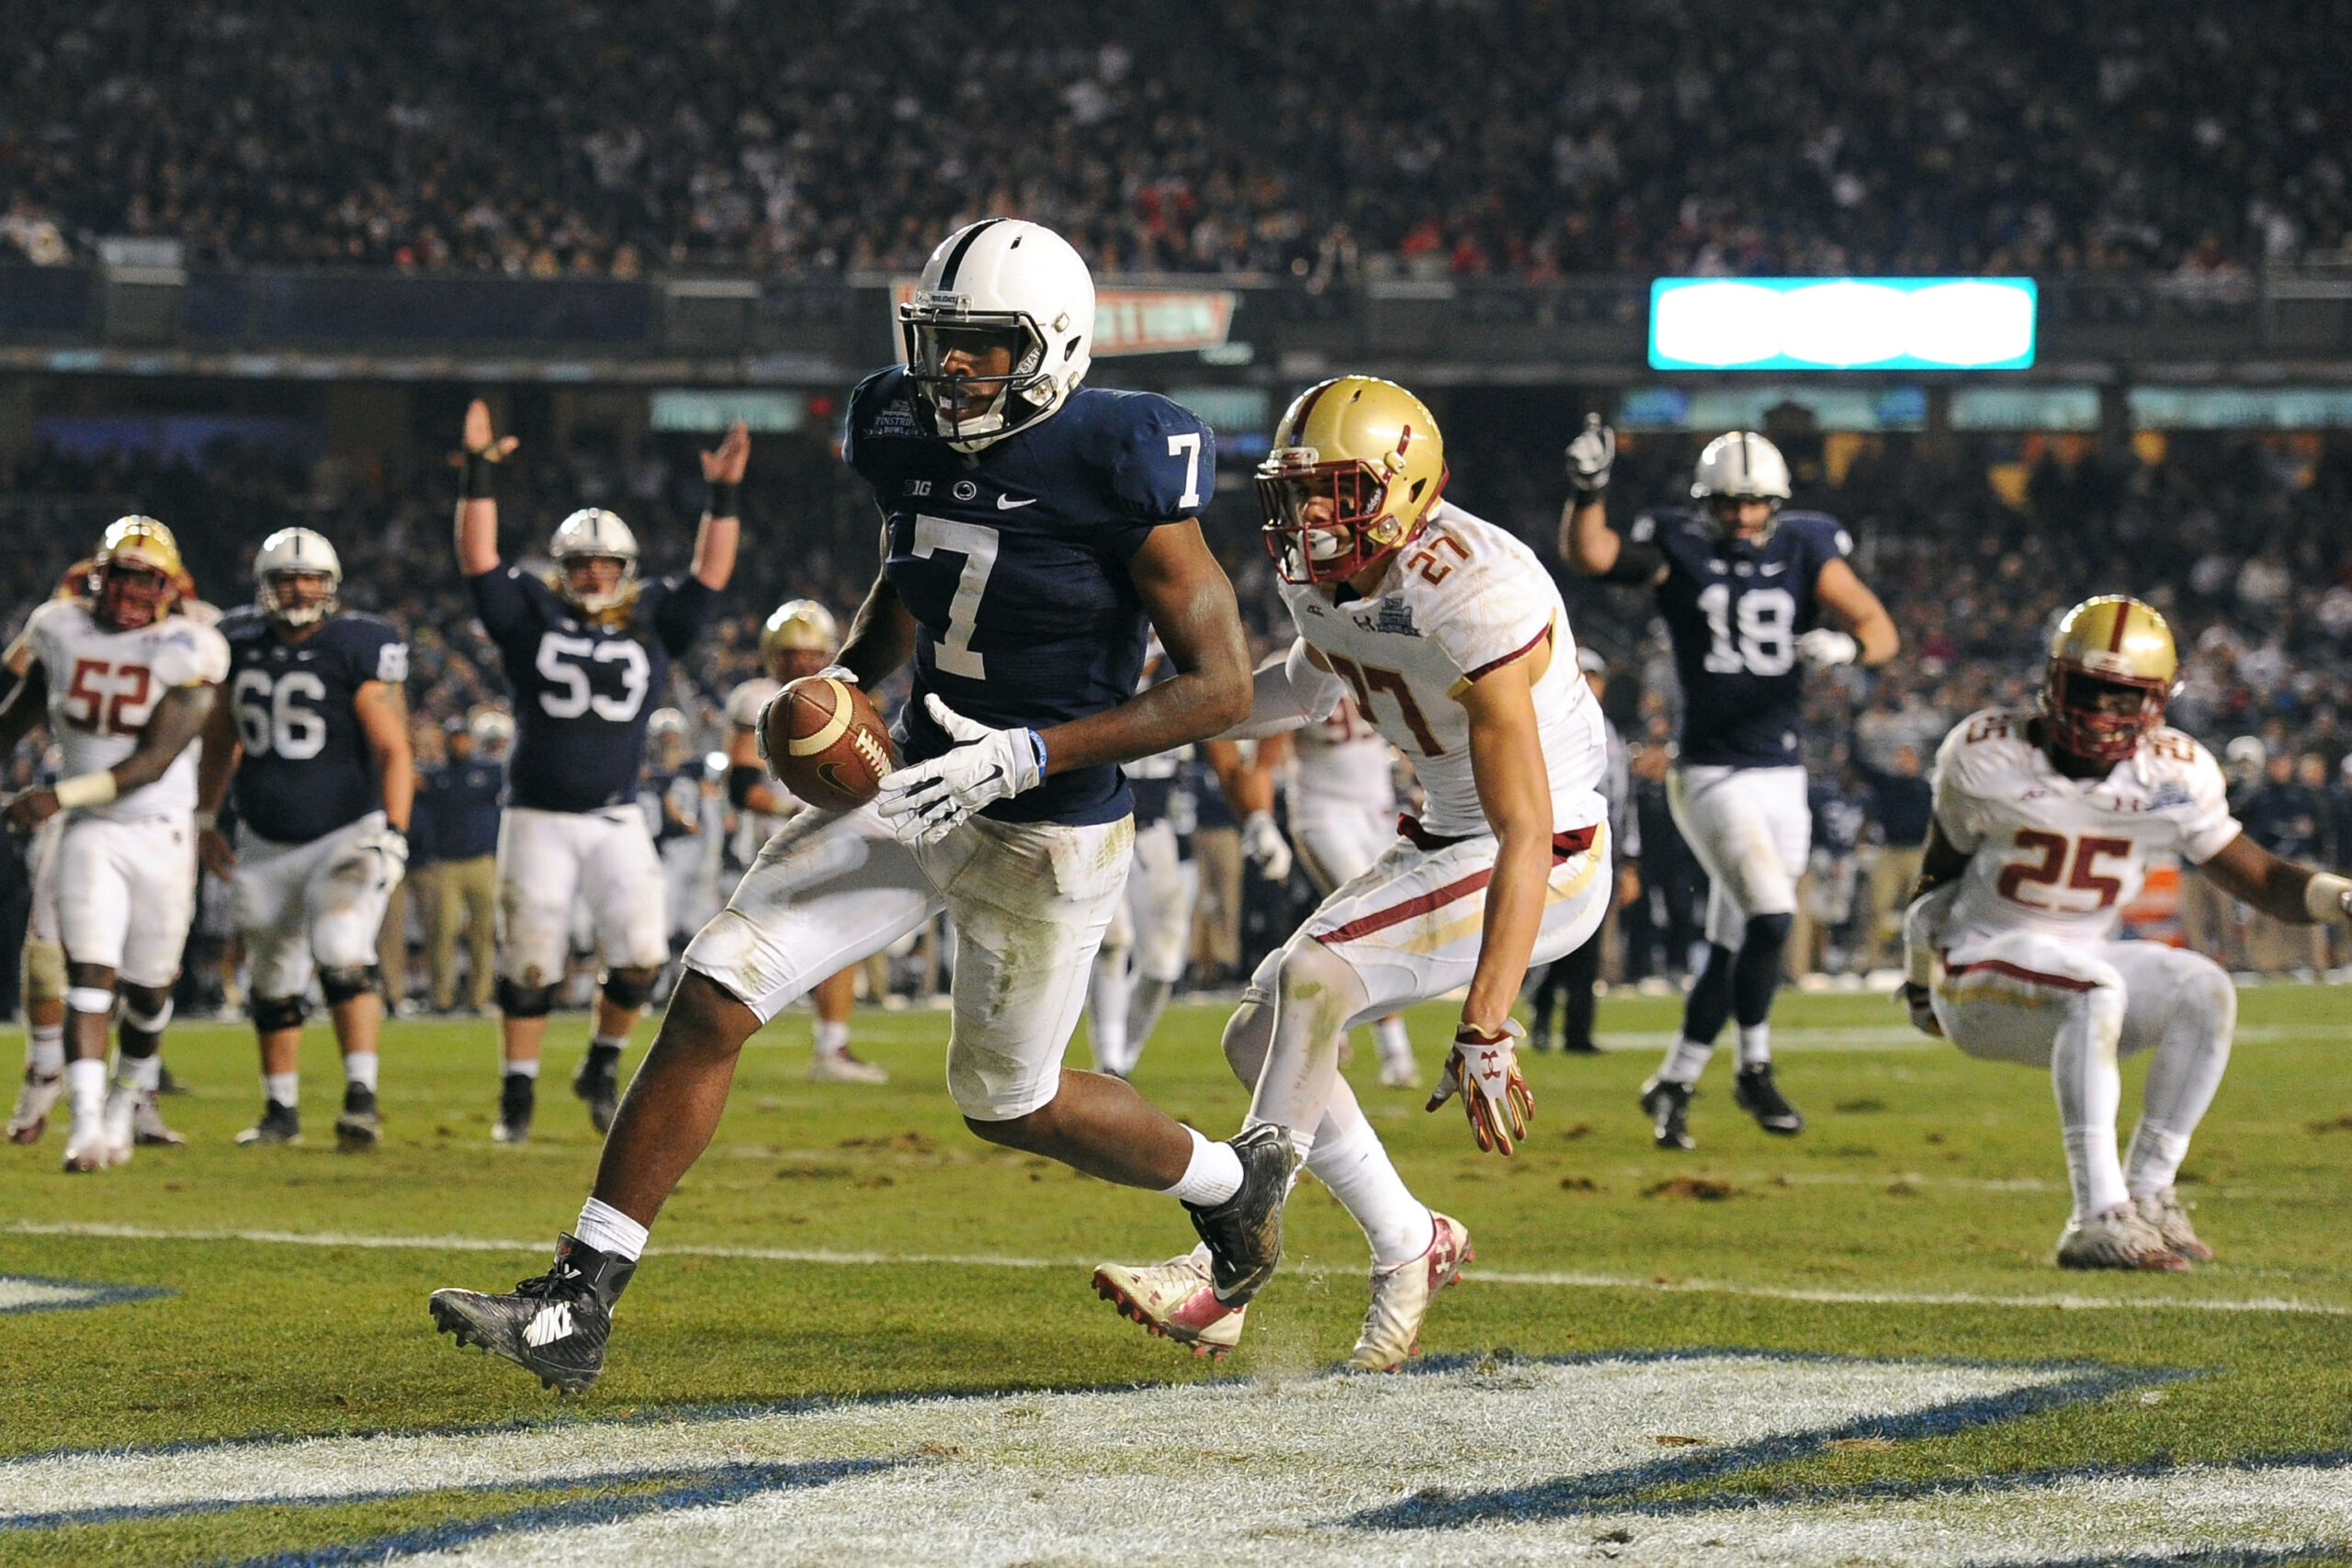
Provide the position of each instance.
(2058, 856)
(306, 769)
(102, 688)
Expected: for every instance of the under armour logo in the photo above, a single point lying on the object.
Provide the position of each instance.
(1487, 1058)
(553, 1322)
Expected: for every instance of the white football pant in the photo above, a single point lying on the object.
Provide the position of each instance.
(2079, 1007)
(126, 895)
(306, 907)
(1750, 829)
(604, 862)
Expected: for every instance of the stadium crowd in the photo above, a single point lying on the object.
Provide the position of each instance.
(1463, 136)
(1976, 547)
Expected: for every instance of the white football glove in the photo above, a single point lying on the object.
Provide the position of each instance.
(1591, 456)
(1823, 647)
(1915, 999)
(1262, 845)
(390, 846)
(841, 672)
(928, 801)
(1484, 1070)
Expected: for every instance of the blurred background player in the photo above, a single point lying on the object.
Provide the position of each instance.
(1566, 986)
(458, 810)
(800, 638)
(2045, 821)
(1453, 642)
(682, 806)
(314, 739)
(1149, 938)
(126, 687)
(585, 655)
(1742, 586)
(1034, 531)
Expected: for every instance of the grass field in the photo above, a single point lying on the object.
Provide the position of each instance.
(855, 1242)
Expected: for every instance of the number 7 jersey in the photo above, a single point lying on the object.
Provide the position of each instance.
(2062, 856)
(1462, 599)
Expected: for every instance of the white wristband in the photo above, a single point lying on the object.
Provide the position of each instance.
(208, 821)
(2325, 896)
(86, 789)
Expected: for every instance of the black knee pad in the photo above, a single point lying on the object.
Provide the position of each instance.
(1771, 931)
(626, 991)
(525, 1001)
(271, 1014)
(349, 982)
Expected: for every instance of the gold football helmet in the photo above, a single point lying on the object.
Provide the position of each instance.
(798, 639)
(2112, 665)
(1357, 467)
(137, 573)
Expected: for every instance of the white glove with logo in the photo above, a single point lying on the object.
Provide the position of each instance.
(1262, 845)
(1484, 1070)
(926, 802)
(390, 846)
(1591, 456)
(1821, 648)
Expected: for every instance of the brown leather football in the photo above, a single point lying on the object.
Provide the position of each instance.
(826, 743)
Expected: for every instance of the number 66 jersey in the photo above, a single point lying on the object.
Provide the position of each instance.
(2059, 856)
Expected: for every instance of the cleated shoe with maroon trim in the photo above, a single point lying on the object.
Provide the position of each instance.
(2117, 1238)
(2164, 1211)
(554, 1326)
(34, 1102)
(1401, 1295)
(1244, 1232)
(1175, 1300)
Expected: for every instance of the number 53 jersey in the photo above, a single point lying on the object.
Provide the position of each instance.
(306, 769)
(1014, 563)
(2059, 856)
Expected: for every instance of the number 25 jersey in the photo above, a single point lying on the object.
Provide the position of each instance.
(102, 688)
(2060, 856)
(1014, 563)
(584, 686)
(1734, 611)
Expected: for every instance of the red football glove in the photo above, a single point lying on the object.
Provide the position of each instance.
(1483, 1070)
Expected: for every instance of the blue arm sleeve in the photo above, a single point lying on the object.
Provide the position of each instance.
(686, 606)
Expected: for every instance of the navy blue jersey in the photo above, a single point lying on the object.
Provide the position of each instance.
(306, 769)
(584, 688)
(1012, 561)
(1734, 611)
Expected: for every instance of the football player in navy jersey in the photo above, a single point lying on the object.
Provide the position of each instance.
(314, 741)
(1034, 532)
(1744, 587)
(588, 655)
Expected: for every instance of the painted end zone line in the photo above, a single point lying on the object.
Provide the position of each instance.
(987, 1261)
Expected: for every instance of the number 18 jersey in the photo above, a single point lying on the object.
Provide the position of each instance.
(2061, 856)
(1734, 609)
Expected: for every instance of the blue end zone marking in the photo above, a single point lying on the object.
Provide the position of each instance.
(2207, 1557)
(1617, 1490)
(87, 1293)
(730, 1485)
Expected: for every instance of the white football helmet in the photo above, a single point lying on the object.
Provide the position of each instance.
(296, 552)
(1741, 464)
(593, 531)
(492, 730)
(999, 279)
(665, 723)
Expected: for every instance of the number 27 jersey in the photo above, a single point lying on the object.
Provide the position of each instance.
(2061, 856)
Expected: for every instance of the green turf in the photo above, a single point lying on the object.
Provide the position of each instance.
(1922, 1172)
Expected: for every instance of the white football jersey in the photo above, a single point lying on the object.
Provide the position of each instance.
(744, 705)
(1341, 764)
(104, 685)
(2061, 856)
(1462, 599)
(748, 700)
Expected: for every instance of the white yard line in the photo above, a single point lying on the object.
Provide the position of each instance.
(1549, 1280)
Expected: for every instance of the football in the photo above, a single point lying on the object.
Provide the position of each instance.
(826, 743)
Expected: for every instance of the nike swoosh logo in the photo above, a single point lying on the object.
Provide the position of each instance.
(1006, 503)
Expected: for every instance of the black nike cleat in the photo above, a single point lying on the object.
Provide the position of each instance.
(278, 1124)
(1244, 1232)
(1755, 1092)
(553, 1327)
(518, 1096)
(358, 1128)
(596, 1083)
(1668, 1106)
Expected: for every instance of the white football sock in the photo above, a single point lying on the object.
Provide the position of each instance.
(1685, 1060)
(360, 1067)
(85, 1081)
(2183, 1079)
(139, 1072)
(1212, 1176)
(284, 1089)
(1396, 1046)
(1756, 1045)
(2154, 1160)
(529, 1069)
(1356, 1168)
(831, 1038)
(45, 1049)
(608, 1230)
(2089, 1087)
(1107, 994)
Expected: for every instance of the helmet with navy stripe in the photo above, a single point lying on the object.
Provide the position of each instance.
(590, 534)
(1741, 466)
(1000, 330)
(293, 553)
